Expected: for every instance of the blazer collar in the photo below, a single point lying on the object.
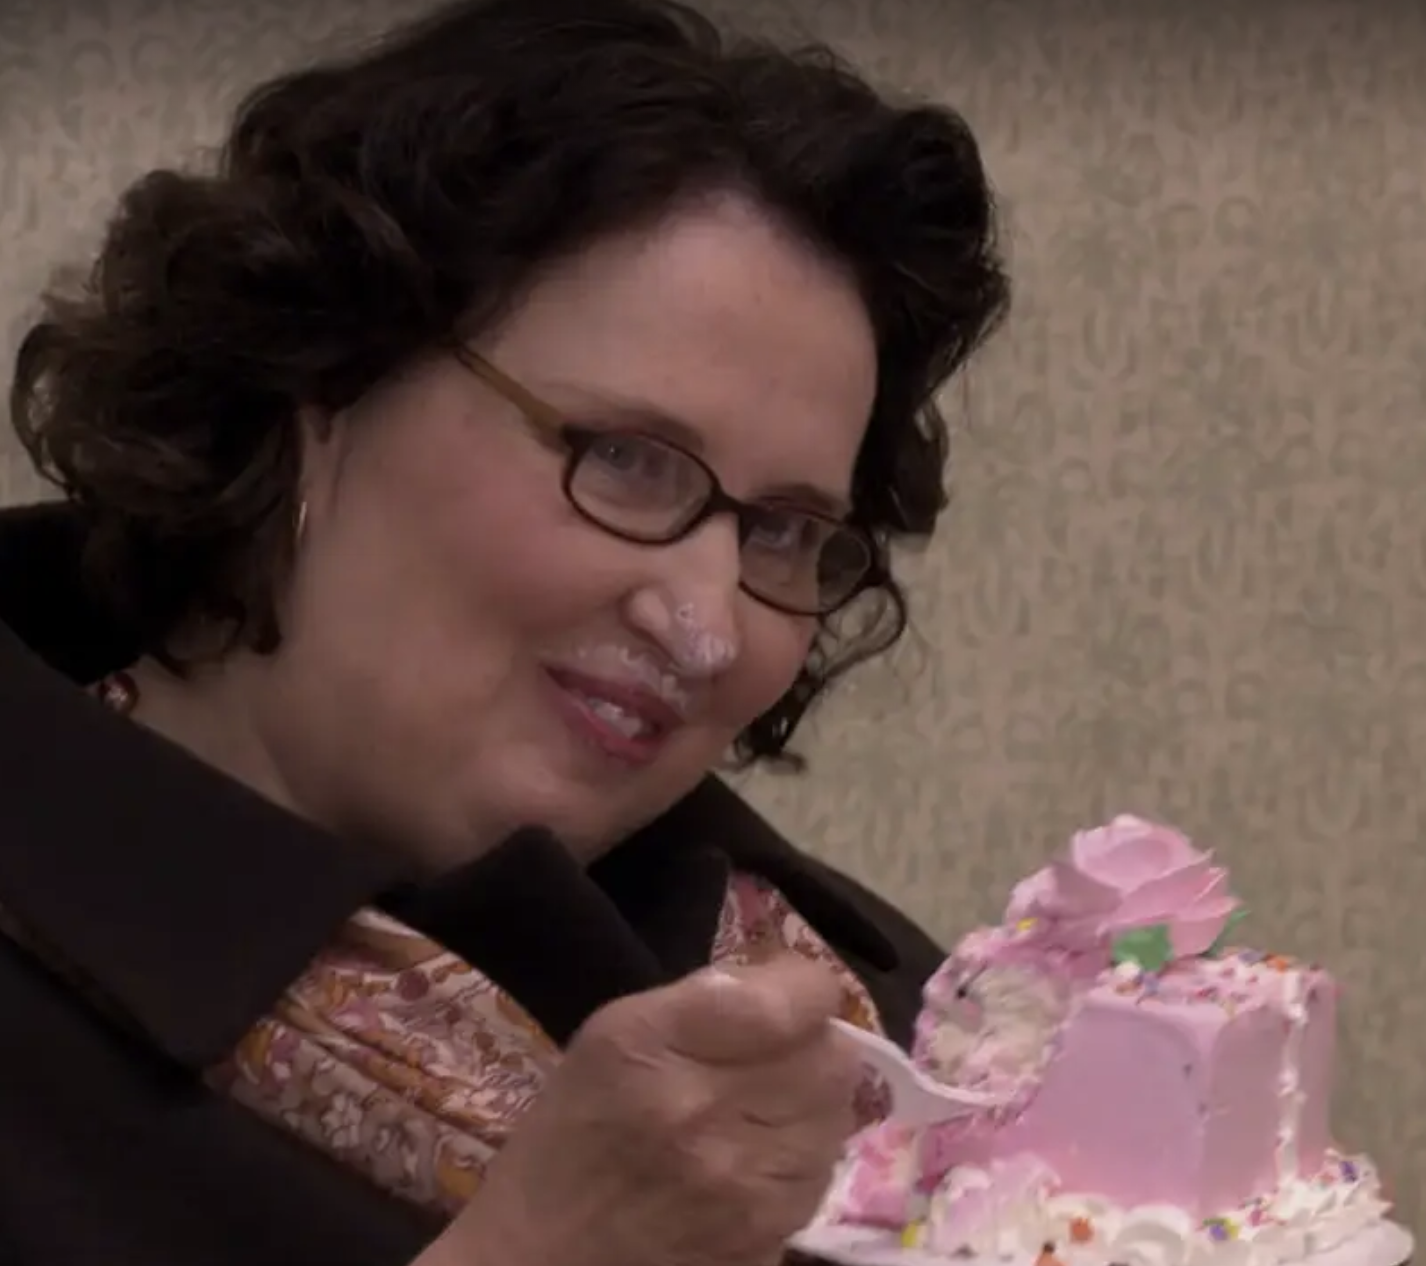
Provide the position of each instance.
(183, 901)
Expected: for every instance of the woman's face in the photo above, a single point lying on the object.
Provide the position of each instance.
(465, 654)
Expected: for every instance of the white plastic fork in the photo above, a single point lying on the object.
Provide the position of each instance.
(916, 1099)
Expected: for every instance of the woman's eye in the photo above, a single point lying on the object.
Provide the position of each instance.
(781, 532)
(629, 470)
(644, 464)
(632, 456)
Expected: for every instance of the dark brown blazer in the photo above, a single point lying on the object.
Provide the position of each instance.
(171, 906)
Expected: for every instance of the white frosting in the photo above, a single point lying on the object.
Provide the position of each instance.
(1289, 1082)
(1306, 1217)
(998, 1029)
(1302, 1218)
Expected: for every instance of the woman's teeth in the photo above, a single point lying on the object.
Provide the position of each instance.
(629, 725)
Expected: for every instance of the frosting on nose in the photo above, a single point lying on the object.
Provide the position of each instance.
(693, 643)
(695, 646)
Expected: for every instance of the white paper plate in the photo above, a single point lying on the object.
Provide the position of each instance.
(1386, 1244)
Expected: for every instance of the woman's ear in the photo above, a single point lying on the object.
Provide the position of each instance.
(320, 442)
(316, 425)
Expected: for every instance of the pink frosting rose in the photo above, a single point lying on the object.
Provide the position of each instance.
(1126, 875)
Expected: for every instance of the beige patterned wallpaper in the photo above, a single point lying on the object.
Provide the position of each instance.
(1185, 573)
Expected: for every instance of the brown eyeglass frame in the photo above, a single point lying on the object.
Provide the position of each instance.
(552, 426)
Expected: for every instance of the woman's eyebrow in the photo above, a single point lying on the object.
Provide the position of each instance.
(651, 419)
(811, 496)
(638, 415)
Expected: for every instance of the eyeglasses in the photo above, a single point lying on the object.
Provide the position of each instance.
(644, 489)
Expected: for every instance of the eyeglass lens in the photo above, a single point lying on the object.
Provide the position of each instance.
(648, 490)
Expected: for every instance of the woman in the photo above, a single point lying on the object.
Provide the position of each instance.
(515, 424)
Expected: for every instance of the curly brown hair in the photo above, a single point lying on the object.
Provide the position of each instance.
(368, 210)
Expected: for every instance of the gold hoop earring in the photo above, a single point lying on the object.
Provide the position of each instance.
(299, 525)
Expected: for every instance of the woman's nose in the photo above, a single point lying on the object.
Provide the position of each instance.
(690, 608)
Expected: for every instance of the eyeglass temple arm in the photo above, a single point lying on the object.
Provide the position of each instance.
(542, 416)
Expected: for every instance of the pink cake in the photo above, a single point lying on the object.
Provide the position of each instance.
(1153, 1083)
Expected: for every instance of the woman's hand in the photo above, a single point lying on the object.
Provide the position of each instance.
(695, 1125)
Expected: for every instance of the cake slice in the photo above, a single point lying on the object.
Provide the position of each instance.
(1200, 1086)
(1166, 1098)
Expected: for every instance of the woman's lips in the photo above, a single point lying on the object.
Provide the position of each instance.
(625, 721)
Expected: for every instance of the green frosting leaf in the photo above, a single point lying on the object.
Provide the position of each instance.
(1221, 942)
(1149, 948)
